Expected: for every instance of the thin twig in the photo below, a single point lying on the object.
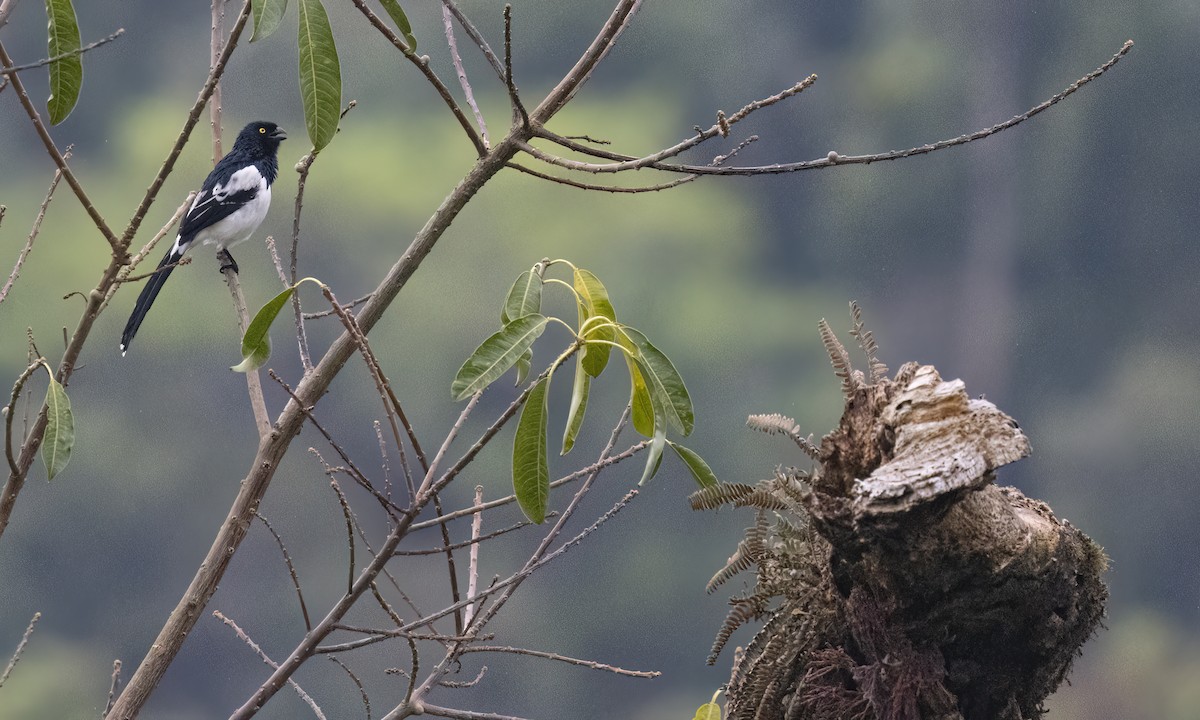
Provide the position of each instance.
(352, 469)
(341, 496)
(326, 313)
(114, 686)
(448, 26)
(287, 560)
(263, 656)
(464, 512)
(513, 96)
(361, 690)
(63, 56)
(476, 37)
(215, 44)
(438, 711)
(833, 158)
(422, 63)
(37, 226)
(6, 7)
(474, 540)
(459, 684)
(473, 563)
(16, 656)
(562, 658)
(59, 160)
(258, 403)
(123, 275)
(11, 409)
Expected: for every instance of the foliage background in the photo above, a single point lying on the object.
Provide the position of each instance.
(1053, 267)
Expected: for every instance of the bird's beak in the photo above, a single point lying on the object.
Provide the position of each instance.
(278, 134)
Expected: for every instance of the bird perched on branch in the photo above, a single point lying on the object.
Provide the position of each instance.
(231, 205)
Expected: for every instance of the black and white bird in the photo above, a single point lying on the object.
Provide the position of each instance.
(231, 205)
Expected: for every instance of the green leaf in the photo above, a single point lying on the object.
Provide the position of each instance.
(594, 302)
(320, 74)
(531, 476)
(524, 363)
(639, 398)
(701, 472)
(654, 459)
(579, 398)
(496, 355)
(66, 75)
(267, 16)
(256, 342)
(525, 297)
(708, 711)
(393, 8)
(666, 385)
(59, 437)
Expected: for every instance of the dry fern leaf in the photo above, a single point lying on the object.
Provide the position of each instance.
(744, 610)
(866, 341)
(839, 358)
(711, 498)
(776, 424)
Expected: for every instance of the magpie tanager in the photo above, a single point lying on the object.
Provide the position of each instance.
(232, 203)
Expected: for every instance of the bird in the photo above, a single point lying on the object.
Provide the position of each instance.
(230, 206)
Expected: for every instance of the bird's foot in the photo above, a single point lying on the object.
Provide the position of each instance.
(227, 261)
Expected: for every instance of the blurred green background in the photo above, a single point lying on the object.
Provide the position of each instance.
(1053, 267)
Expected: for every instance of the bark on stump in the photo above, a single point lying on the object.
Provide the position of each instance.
(897, 581)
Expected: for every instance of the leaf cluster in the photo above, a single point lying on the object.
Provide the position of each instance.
(658, 398)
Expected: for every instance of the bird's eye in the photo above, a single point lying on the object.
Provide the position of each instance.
(262, 131)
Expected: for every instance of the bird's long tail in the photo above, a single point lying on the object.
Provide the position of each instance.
(154, 285)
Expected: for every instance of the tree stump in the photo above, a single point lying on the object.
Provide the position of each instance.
(896, 580)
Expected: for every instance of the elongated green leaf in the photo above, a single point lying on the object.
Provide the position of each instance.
(664, 381)
(320, 74)
(256, 342)
(531, 476)
(59, 437)
(594, 302)
(525, 297)
(267, 16)
(708, 711)
(66, 75)
(654, 459)
(579, 398)
(639, 394)
(496, 355)
(393, 8)
(701, 472)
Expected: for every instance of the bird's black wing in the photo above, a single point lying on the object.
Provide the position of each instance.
(227, 188)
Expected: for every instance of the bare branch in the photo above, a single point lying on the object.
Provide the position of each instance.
(16, 656)
(473, 564)
(448, 25)
(6, 7)
(347, 306)
(258, 403)
(37, 226)
(59, 160)
(513, 96)
(113, 686)
(562, 658)
(215, 44)
(263, 656)
(362, 691)
(833, 158)
(474, 540)
(287, 560)
(422, 63)
(476, 37)
(437, 711)
(63, 56)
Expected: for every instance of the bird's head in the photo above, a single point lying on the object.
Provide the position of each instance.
(261, 136)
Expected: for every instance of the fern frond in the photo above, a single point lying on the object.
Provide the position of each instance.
(713, 497)
(839, 358)
(744, 610)
(776, 424)
(763, 500)
(866, 341)
(742, 559)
